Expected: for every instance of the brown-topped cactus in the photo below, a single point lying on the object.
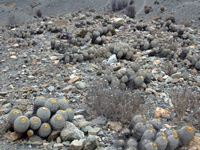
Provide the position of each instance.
(63, 103)
(161, 142)
(43, 113)
(63, 113)
(44, 130)
(13, 115)
(35, 122)
(21, 124)
(52, 105)
(70, 113)
(186, 134)
(173, 142)
(30, 133)
(57, 122)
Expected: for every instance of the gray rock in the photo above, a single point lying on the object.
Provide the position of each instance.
(80, 85)
(91, 143)
(99, 120)
(80, 121)
(6, 36)
(35, 138)
(112, 59)
(77, 144)
(70, 132)
(81, 112)
(93, 131)
(51, 88)
(176, 75)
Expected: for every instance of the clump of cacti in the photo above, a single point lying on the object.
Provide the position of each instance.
(146, 134)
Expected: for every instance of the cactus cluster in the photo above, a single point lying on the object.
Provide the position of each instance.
(146, 134)
(51, 114)
(132, 77)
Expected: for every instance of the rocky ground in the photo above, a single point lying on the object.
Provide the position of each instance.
(40, 59)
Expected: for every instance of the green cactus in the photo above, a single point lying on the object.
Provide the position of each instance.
(57, 122)
(139, 80)
(148, 134)
(44, 130)
(124, 79)
(63, 104)
(157, 124)
(151, 146)
(135, 120)
(161, 142)
(13, 115)
(173, 142)
(35, 122)
(21, 124)
(135, 66)
(52, 105)
(63, 113)
(30, 133)
(186, 134)
(70, 113)
(43, 113)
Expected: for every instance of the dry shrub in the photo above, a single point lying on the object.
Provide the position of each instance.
(39, 13)
(114, 103)
(118, 4)
(170, 17)
(186, 106)
(168, 68)
(130, 11)
(147, 9)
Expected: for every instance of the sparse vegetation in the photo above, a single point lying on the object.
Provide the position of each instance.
(156, 2)
(118, 5)
(170, 17)
(114, 103)
(130, 11)
(147, 9)
(186, 106)
(39, 13)
(162, 9)
(82, 33)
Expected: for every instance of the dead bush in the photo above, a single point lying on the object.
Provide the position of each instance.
(130, 11)
(117, 5)
(186, 106)
(168, 68)
(114, 103)
(39, 13)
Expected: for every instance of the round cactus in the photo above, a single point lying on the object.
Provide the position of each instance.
(63, 104)
(151, 146)
(43, 113)
(157, 124)
(135, 120)
(70, 113)
(161, 142)
(197, 65)
(63, 113)
(122, 86)
(52, 105)
(143, 143)
(139, 80)
(160, 134)
(120, 54)
(139, 130)
(13, 115)
(30, 133)
(173, 142)
(74, 49)
(120, 143)
(124, 79)
(135, 66)
(119, 75)
(170, 132)
(39, 101)
(44, 130)
(148, 134)
(186, 134)
(21, 124)
(57, 122)
(35, 122)
(132, 143)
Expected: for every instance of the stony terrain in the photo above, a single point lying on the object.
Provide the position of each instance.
(37, 58)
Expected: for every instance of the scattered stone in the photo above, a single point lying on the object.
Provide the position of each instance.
(93, 131)
(53, 135)
(58, 145)
(71, 132)
(98, 121)
(161, 112)
(12, 136)
(112, 59)
(77, 144)
(117, 126)
(91, 142)
(80, 85)
(74, 79)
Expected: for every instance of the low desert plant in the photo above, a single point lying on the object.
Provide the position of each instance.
(39, 13)
(168, 68)
(147, 9)
(130, 11)
(162, 8)
(186, 105)
(170, 17)
(117, 5)
(114, 103)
